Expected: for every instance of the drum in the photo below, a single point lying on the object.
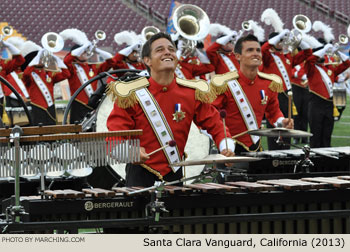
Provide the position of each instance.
(197, 146)
(17, 115)
(60, 108)
(339, 96)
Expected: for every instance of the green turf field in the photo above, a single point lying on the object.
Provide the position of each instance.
(341, 132)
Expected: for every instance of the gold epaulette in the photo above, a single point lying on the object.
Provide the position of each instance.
(20, 75)
(219, 81)
(124, 92)
(276, 84)
(203, 93)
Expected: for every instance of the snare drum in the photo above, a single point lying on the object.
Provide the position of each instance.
(197, 146)
(60, 108)
(17, 115)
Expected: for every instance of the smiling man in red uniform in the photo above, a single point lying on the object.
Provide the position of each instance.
(248, 95)
(163, 107)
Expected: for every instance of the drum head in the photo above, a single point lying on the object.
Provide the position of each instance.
(197, 147)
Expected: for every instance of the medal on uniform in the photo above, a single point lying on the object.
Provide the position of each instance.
(263, 97)
(288, 61)
(91, 73)
(178, 115)
(329, 72)
(48, 79)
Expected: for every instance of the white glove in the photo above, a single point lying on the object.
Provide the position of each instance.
(80, 50)
(227, 38)
(202, 57)
(60, 63)
(276, 39)
(304, 45)
(13, 50)
(36, 60)
(320, 53)
(126, 51)
(180, 46)
(105, 55)
(343, 56)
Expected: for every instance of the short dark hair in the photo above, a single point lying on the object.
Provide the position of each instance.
(146, 49)
(238, 45)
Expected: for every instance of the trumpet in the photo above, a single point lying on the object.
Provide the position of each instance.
(192, 23)
(6, 31)
(342, 42)
(99, 35)
(51, 42)
(246, 26)
(148, 32)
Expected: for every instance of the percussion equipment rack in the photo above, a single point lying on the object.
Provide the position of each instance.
(308, 205)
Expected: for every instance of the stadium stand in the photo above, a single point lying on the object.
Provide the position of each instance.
(34, 18)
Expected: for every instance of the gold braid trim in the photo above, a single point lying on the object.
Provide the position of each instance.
(276, 87)
(219, 81)
(205, 97)
(122, 102)
(220, 89)
(259, 148)
(148, 168)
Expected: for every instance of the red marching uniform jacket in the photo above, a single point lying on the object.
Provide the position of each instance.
(91, 70)
(168, 97)
(7, 66)
(316, 83)
(14, 83)
(48, 78)
(253, 93)
(269, 65)
(190, 71)
(299, 77)
(217, 61)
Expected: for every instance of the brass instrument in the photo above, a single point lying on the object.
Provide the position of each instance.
(93, 57)
(51, 42)
(302, 25)
(148, 32)
(192, 23)
(5, 32)
(246, 26)
(342, 41)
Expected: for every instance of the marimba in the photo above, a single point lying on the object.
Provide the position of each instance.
(307, 205)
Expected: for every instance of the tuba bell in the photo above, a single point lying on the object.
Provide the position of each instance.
(51, 42)
(192, 24)
(148, 32)
(302, 23)
(5, 32)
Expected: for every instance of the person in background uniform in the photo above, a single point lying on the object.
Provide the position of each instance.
(321, 80)
(163, 107)
(248, 95)
(7, 66)
(192, 62)
(40, 82)
(220, 53)
(277, 62)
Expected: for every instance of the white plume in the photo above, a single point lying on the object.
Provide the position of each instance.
(258, 31)
(28, 47)
(270, 17)
(312, 41)
(326, 29)
(127, 37)
(218, 29)
(16, 41)
(77, 36)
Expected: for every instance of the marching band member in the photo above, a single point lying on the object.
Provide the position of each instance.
(221, 53)
(82, 71)
(192, 62)
(40, 83)
(7, 66)
(128, 57)
(248, 95)
(321, 80)
(164, 107)
(15, 79)
(277, 62)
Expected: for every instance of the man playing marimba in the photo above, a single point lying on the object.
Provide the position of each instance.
(164, 107)
(248, 95)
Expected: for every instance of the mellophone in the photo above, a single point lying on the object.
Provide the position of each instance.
(306, 205)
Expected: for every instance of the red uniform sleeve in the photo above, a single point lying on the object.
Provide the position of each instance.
(342, 67)
(212, 53)
(300, 57)
(60, 76)
(14, 63)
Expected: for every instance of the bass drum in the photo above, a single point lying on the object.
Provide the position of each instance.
(197, 146)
